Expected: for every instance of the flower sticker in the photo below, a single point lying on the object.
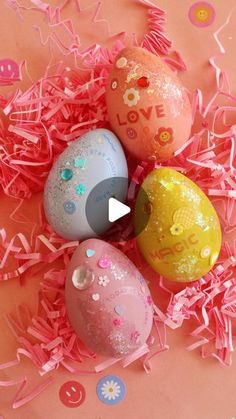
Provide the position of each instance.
(131, 133)
(176, 229)
(79, 162)
(131, 97)
(164, 136)
(111, 390)
(80, 189)
(103, 281)
(202, 14)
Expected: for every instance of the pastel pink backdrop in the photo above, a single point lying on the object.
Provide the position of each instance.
(181, 384)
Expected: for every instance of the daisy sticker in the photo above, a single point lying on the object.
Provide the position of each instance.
(131, 97)
(202, 14)
(111, 390)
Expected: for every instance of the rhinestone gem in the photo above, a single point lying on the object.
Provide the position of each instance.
(66, 174)
(82, 278)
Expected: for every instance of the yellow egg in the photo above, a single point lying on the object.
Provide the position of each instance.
(182, 239)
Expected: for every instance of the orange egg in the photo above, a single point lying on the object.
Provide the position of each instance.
(147, 105)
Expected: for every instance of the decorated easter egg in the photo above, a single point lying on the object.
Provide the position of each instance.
(95, 157)
(182, 239)
(108, 302)
(147, 105)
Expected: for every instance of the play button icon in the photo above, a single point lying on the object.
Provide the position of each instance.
(117, 210)
(108, 212)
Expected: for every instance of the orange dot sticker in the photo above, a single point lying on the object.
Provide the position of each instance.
(202, 14)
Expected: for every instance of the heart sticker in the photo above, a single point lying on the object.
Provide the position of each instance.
(90, 253)
(95, 297)
(119, 309)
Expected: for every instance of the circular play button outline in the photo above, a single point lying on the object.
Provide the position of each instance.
(107, 201)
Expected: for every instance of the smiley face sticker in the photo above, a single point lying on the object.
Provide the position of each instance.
(72, 394)
(202, 14)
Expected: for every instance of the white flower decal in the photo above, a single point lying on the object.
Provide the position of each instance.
(110, 390)
(131, 97)
(103, 281)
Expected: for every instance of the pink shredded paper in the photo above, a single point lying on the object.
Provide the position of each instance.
(43, 120)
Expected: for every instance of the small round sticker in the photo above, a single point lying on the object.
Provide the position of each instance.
(72, 394)
(202, 14)
(111, 389)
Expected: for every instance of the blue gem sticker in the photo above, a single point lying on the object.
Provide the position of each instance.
(69, 207)
(111, 389)
(79, 162)
(66, 174)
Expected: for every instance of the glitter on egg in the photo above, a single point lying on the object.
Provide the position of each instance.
(205, 252)
(147, 208)
(121, 62)
(143, 82)
(80, 189)
(117, 322)
(69, 207)
(214, 258)
(66, 174)
(143, 289)
(135, 336)
(79, 162)
(82, 277)
(149, 300)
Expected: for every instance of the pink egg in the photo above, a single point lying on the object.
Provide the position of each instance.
(147, 105)
(107, 299)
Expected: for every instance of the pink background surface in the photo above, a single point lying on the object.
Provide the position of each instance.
(181, 384)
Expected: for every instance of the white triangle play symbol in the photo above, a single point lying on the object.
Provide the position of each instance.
(116, 210)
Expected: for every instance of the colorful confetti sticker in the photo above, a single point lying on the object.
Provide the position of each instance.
(72, 394)
(202, 14)
(111, 390)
